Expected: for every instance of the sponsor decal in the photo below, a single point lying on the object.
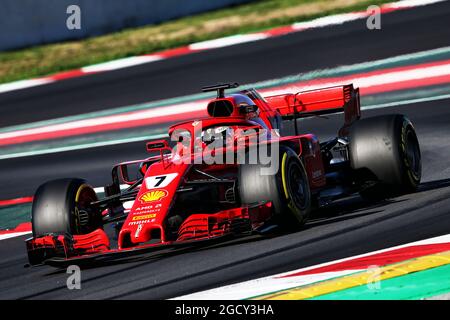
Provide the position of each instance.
(160, 181)
(149, 207)
(152, 196)
(139, 222)
(147, 216)
(147, 212)
(138, 231)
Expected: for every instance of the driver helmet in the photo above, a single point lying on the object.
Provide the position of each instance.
(211, 134)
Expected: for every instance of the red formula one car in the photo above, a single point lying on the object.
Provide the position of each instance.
(230, 173)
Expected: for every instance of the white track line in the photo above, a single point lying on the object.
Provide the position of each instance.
(361, 82)
(23, 84)
(82, 146)
(252, 288)
(329, 20)
(218, 43)
(413, 73)
(411, 3)
(119, 118)
(13, 235)
(121, 63)
(228, 41)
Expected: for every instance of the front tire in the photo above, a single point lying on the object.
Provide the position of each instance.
(288, 189)
(63, 207)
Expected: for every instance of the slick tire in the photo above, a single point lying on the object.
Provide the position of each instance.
(287, 189)
(63, 207)
(386, 149)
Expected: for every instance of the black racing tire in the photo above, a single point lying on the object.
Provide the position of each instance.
(385, 149)
(287, 189)
(63, 207)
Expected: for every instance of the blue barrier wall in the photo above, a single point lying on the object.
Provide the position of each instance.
(32, 22)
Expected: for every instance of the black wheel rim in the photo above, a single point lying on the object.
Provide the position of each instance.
(84, 211)
(297, 186)
(413, 153)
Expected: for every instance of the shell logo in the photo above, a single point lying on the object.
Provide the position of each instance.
(152, 196)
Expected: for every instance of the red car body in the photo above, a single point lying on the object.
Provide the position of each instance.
(146, 225)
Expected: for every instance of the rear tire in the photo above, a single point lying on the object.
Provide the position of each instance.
(63, 207)
(288, 189)
(385, 149)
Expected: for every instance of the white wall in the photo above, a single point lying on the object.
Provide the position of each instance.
(31, 22)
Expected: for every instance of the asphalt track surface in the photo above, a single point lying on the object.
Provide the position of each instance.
(402, 32)
(349, 227)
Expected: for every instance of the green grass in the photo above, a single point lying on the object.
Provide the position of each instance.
(255, 16)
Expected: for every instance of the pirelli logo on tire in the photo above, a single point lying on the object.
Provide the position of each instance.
(144, 217)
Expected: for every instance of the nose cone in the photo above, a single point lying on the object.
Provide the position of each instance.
(146, 219)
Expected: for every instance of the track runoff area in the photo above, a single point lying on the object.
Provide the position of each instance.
(417, 270)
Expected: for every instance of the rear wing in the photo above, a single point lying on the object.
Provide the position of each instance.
(318, 102)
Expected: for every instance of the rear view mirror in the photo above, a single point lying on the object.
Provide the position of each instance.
(246, 109)
(157, 145)
(130, 173)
